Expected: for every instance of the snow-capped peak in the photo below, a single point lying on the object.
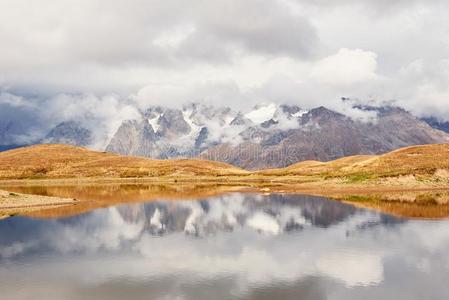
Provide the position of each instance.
(262, 114)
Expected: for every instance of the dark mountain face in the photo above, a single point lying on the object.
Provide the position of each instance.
(9, 131)
(9, 147)
(443, 126)
(290, 109)
(269, 136)
(266, 136)
(326, 135)
(71, 133)
(166, 133)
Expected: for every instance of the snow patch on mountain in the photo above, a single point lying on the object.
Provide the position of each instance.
(154, 123)
(300, 113)
(195, 129)
(262, 114)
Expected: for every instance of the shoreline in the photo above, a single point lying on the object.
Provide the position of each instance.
(14, 201)
(290, 184)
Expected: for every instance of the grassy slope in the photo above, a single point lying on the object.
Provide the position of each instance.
(424, 161)
(60, 161)
(422, 167)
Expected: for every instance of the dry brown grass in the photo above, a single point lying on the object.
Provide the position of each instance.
(417, 162)
(411, 166)
(62, 161)
(313, 167)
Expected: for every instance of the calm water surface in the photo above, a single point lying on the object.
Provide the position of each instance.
(236, 246)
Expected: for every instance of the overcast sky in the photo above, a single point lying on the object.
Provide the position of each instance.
(85, 54)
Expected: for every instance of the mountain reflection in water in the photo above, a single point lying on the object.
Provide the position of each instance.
(236, 246)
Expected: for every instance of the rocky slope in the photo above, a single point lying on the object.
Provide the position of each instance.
(270, 135)
(326, 135)
(69, 133)
(165, 133)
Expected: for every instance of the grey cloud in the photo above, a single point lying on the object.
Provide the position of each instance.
(376, 6)
(95, 45)
(259, 26)
(34, 117)
(120, 32)
(227, 52)
(19, 122)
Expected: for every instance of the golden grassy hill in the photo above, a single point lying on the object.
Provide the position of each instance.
(423, 160)
(352, 179)
(62, 161)
(313, 167)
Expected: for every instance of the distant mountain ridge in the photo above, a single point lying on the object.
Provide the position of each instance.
(268, 136)
(8, 130)
(69, 133)
(10, 147)
(435, 123)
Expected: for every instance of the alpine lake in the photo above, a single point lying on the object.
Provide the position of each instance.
(146, 242)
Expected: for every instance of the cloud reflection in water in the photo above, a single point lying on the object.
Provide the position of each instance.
(246, 246)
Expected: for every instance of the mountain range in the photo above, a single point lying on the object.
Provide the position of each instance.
(268, 136)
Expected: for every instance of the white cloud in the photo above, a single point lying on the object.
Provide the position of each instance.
(102, 115)
(233, 53)
(346, 67)
(64, 46)
(264, 223)
(13, 100)
(360, 269)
